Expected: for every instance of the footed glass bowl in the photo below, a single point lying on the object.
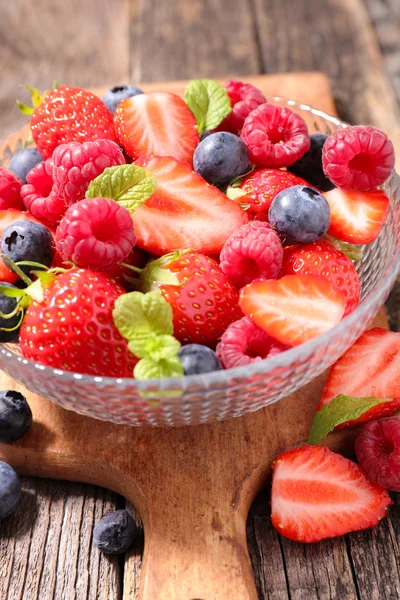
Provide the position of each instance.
(231, 393)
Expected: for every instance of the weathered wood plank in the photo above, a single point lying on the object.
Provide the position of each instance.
(133, 560)
(185, 40)
(46, 546)
(78, 43)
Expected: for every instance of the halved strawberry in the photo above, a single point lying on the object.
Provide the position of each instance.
(8, 217)
(184, 211)
(156, 124)
(293, 309)
(317, 494)
(357, 217)
(370, 368)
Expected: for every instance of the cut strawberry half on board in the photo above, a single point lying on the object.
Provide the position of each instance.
(370, 368)
(357, 217)
(184, 211)
(8, 217)
(317, 494)
(157, 124)
(294, 309)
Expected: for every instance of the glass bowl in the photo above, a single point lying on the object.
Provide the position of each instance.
(235, 392)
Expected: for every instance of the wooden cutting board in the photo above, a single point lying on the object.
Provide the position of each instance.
(193, 486)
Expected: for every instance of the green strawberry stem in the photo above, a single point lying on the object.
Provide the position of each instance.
(14, 267)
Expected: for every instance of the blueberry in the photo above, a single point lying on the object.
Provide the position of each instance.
(118, 93)
(300, 214)
(26, 240)
(23, 161)
(15, 416)
(309, 166)
(7, 305)
(221, 157)
(205, 134)
(196, 359)
(10, 490)
(115, 532)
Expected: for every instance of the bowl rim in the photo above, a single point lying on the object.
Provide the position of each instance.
(224, 376)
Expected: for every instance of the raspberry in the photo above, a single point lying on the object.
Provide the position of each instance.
(274, 136)
(244, 98)
(254, 251)
(95, 233)
(244, 343)
(358, 158)
(72, 167)
(10, 190)
(378, 452)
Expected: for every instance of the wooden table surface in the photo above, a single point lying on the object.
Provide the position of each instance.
(45, 548)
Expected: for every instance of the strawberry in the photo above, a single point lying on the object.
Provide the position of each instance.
(156, 124)
(321, 258)
(317, 494)
(69, 114)
(357, 217)
(72, 328)
(8, 217)
(369, 368)
(294, 309)
(184, 211)
(203, 300)
(261, 187)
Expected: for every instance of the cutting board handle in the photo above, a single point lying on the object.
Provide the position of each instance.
(196, 552)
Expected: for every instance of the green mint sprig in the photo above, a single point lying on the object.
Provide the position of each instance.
(129, 185)
(145, 320)
(209, 102)
(340, 410)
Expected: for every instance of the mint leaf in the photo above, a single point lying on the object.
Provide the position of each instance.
(350, 250)
(129, 185)
(154, 346)
(137, 315)
(340, 410)
(209, 102)
(147, 368)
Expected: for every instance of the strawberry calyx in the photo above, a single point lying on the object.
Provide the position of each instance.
(36, 99)
(156, 272)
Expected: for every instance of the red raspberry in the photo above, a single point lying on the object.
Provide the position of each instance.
(96, 233)
(244, 343)
(244, 98)
(378, 452)
(10, 190)
(358, 158)
(274, 136)
(73, 166)
(254, 251)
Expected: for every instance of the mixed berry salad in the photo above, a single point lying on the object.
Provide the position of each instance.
(147, 235)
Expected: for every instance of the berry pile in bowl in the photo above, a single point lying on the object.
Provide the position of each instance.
(172, 261)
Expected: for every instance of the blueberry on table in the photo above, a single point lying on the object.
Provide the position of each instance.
(118, 93)
(23, 161)
(221, 157)
(197, 359)
(115, 532)
(10, 490)
(309, 166)
(300, 214)
(7, 305)
(28, 241)
(15, 416)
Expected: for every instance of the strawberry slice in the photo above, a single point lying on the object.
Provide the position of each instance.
(370, 368)
(295, 308)
(184, 211)
(357, 217)
(157, 124)
(317, 494)
(8, 217)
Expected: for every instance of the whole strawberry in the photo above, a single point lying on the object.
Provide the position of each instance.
(203, 300)
(72, 328)
(260, 188)
(70, 114)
